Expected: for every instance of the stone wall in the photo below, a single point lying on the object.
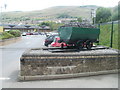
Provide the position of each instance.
(49, 64)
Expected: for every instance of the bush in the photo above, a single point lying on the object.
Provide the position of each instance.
(15, 33)
(103, 15)
(0, 36)
(10, 34)
(6, 35)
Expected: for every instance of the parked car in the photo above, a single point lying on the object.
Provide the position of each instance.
(24, 34)
(49, 40)
(29, 33)
(35, 33)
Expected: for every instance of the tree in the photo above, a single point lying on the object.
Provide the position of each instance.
(115, 16)
(116, 13)
(52, 25)
(73, 20)
(45, 23)
(79, 19)
(103, 15)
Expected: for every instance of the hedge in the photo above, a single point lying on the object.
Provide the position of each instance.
(15, 33)
(6, 35)
(10, 34)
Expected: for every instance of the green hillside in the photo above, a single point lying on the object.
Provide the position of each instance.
(49, 13)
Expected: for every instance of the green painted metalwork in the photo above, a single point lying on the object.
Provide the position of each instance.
(73, 34)
(111, 41)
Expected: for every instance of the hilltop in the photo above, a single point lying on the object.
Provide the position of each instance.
(49, 13)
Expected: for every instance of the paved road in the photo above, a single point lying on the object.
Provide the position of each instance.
(10, 70)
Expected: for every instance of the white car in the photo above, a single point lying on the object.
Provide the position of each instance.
(24, 34)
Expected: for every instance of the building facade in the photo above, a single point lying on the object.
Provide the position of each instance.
(25, 28)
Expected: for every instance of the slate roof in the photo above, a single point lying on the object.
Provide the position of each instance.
(9, 26)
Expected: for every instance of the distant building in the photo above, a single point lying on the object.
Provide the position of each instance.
(25, 28)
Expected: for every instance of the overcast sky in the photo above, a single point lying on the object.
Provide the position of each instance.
(29, 5)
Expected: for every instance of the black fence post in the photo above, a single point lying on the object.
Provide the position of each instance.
(99, 25)
(99, 35)
(111, 40)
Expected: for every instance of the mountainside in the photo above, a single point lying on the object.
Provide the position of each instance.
(49, 13)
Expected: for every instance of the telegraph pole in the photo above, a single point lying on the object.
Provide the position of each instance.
(93, 15)
(1, 15)
(1, 8)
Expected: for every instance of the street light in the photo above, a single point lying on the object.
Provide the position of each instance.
(1, 15)
(2, 7)
(93, 15)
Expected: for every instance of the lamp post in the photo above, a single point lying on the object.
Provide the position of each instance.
(1, 8)
(93, 15)
(1, 15)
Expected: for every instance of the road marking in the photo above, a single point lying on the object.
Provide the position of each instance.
(1, 78)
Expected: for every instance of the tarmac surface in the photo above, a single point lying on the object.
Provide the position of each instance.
(11, 54)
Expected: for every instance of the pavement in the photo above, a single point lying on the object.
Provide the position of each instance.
(10, 56)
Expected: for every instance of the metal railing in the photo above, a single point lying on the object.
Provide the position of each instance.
(111, 26)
